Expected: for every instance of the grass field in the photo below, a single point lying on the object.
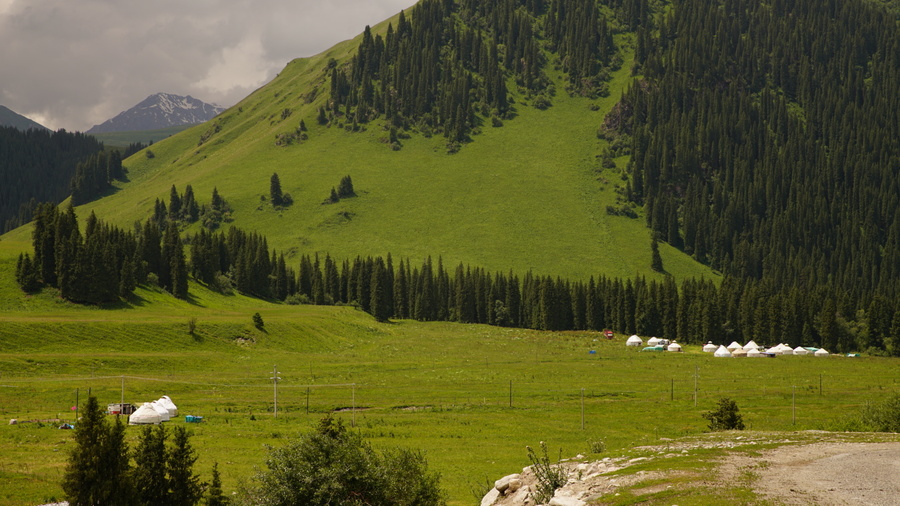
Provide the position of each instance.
(470, 396)
(123, 139)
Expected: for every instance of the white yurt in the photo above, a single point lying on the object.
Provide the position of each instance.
(751, 346)
(710, 347)
(634, 341)
(653, 341)
(774, 350)
(739, 353)
(169, 405)
(675, 347)
(821, 353)
(800, 350)
(785, 349)
(144, 415)
(733, 346)
(754, 352)
(163, 412)
(722, 352)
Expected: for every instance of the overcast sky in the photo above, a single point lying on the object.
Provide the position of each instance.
(76, 63)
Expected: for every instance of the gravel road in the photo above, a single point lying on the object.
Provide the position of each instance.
(828, 474)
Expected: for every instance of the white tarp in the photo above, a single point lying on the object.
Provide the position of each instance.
(145, 414)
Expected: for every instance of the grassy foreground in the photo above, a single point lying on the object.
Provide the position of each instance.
(470, 396)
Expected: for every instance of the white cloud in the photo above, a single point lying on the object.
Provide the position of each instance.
(75, 64)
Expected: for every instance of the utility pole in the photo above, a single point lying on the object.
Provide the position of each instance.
(275, 379)
(582, 409)
(793, 404)
(696, 374)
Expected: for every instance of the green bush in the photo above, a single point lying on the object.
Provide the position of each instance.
(333, 466)
(725, 417)
(883, 416)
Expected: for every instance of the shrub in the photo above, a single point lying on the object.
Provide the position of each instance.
(549, 477)
(725, 417)
(883, 416)
(333, 466)
(258, 321)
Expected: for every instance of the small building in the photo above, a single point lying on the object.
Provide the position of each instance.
(634, 341)
(120, 409)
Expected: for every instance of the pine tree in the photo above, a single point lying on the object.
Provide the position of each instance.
(97, 470)
(185, 488)
(275, 194)
(345, 189)
(656, 262)
(151, 486)
(214, 495)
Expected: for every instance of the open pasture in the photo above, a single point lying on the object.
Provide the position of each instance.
(472, 397)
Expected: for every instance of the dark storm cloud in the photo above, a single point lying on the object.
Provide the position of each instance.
(72, 64)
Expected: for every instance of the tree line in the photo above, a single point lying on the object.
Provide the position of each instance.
(103, 264)
(108, 263)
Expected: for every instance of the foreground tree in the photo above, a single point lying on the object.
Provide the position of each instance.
(333, 466)
(97, 471)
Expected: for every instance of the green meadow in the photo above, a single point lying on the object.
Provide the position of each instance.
(470, 396)
(123, 139)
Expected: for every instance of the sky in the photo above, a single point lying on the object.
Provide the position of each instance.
(76, 63)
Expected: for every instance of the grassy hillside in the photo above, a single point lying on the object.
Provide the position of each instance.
(470, 396)
(528, 195)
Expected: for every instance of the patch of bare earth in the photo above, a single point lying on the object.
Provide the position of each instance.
(827, 473)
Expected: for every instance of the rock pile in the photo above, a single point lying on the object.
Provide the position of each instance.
(585, 481)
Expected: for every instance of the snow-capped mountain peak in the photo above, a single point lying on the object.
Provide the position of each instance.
(161, 110)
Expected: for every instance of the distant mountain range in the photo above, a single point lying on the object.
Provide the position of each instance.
(158, 111)
(11, 118)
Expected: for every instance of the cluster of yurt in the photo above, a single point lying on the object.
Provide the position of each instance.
(156, 412)
(751, 349)
(654, 344)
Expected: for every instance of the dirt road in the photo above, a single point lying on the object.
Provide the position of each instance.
(828, 474)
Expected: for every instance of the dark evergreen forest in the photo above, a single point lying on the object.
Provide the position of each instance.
(766, 140)
(37, 166)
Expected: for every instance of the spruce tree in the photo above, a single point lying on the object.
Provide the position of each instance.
(275, 190)
(151, 486)
(214, 495)
(97, 470)
(185, 488)
(656, 261)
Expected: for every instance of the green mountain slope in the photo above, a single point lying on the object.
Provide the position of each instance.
(528, 195)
